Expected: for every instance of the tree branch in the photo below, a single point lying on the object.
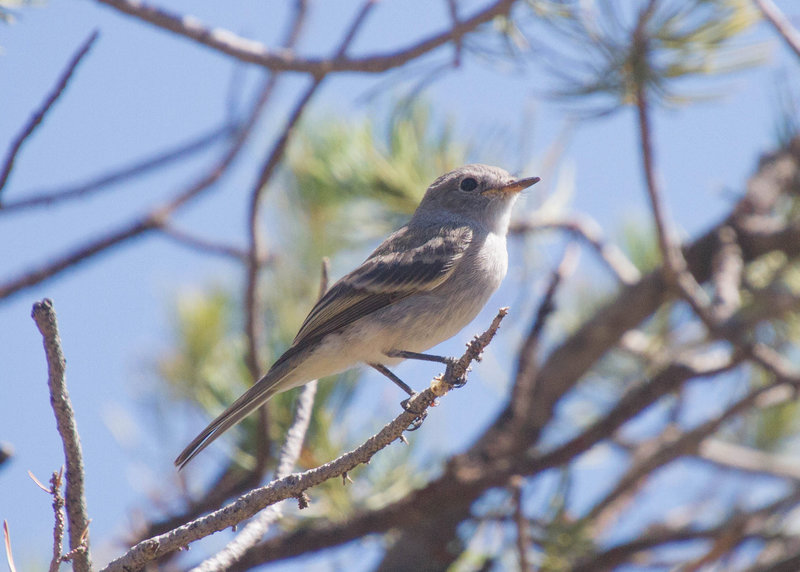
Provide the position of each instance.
(154, 219)
(45, 317)
(253, 52)
(589, 231)
(52, 197)
(37, 117)
(781, 24)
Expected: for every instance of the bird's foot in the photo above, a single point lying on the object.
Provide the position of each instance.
(421, 415)
(457, 381)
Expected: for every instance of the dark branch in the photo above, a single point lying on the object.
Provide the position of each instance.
(37, 117)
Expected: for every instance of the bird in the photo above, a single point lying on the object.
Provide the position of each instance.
(420, 287)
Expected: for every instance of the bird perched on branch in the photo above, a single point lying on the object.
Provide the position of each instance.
(420, 287)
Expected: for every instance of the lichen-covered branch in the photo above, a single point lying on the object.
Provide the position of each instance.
(45, 317)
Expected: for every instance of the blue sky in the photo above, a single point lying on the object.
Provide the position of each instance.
(141, 90)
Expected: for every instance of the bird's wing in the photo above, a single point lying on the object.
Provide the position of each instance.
(407, 262)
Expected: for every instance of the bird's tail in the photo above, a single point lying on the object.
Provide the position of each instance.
(249, 401)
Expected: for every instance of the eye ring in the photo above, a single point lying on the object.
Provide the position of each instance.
(469, 184)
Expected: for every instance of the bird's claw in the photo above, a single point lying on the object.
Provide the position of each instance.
(461, 381)
(421, 415)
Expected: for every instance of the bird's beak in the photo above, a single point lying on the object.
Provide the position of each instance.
(516, 186)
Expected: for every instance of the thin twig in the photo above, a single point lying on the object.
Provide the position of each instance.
(689, 442)
(37, 117)
(452, 8)
(286, 60)
(521, 522)
(45, 317)
(232, 482)
(252, 307)
(294, 486)
(58, 517)
(52, 197)
(156, 218)
(675, 267)
(255, 252)
(748, 460)
(207, 246)
(287, 459)
(781, 24)
(589, 231)
(527, 356)
(7, 540)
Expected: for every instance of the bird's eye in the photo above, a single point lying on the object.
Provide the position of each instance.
(468, 184)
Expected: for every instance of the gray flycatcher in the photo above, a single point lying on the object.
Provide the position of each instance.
(421, 286)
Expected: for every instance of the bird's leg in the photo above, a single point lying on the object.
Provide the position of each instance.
(448, 361)
(405, 387)
(423, 357)
(399, 382)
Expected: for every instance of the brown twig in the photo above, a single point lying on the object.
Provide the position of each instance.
(521, 522)
(781, 24)
(58, 516)
(589, 231)
(252, 306)
(45, 317)
(209, 247)
(294, 486)
(675, 267)
(735, 527)
(38, 117)
(256, 252)
(286, 60)
(527, 362)
(152, 220)
(52, 197)
(676, 443)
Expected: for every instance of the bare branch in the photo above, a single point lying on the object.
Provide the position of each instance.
(294, 486)
(674, 443)
(58, 515)
(51, 197)
(156, 218)
(209, 247)
(781, 24)
(285, 60)
(45, 317)
(256, 252)
(741, 458)
(517, 483)
(253, 333)
(634, 401)
(675, 267)
(732, 530)
(527, 358)
(588, 230)
(727, 275)
(37, 117)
